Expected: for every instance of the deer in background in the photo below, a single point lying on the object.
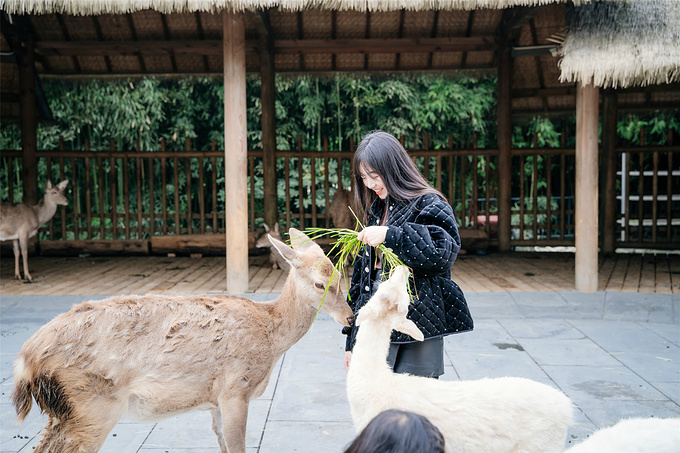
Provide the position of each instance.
(341, 203)
(156, 356)
(19, 222)
(275, 258)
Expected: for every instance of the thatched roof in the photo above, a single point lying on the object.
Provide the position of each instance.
(621, 44)
(89, 7)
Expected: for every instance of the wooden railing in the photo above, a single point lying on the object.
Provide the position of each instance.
(134, 195)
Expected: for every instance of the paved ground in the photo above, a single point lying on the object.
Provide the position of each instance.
(614, 354)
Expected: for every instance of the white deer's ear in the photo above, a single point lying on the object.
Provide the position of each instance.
(48, 186)
(366, 312)
(286, 252)
(409, 328)
(399, 280)
(401, 275)
(62, 185)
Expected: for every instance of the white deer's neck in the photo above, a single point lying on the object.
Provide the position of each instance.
(371, 347)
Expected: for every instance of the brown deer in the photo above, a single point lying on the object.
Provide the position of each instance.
(155, 356)
(275, 258)
(341, 203)
(19, 222)
(342, 216)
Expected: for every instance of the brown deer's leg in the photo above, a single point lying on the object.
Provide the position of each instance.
(234, 410)
(217, 427)
(71, 436)
(23, 242)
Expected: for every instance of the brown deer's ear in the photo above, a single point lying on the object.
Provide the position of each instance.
(48, 186)
(62, 185)
(266, 228)
(288, 254)
(300, 241)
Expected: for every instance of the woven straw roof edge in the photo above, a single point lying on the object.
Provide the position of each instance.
(633, 43)
(95, 7)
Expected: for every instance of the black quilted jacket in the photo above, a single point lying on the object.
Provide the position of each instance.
(424, 234)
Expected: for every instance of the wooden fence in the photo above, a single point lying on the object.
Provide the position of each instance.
(137, 195)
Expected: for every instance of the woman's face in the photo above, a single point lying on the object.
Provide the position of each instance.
(373, 181)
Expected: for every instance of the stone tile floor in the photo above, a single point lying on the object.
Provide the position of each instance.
(614, 354)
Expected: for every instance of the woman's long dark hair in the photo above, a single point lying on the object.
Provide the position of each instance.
(383, 153)
(395, 431)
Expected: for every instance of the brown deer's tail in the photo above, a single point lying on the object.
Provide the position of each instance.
(44, 387)
(22, 399)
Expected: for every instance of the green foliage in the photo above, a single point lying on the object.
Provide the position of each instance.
(655, 124)
(313, 109)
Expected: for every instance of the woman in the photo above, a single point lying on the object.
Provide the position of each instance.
(413, 219)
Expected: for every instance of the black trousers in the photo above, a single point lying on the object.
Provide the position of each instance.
(421, 358)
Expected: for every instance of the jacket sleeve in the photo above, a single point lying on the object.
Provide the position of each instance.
(429, 244)
(352, 297)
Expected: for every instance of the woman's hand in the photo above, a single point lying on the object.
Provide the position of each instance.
(373, 235)
(348, 358)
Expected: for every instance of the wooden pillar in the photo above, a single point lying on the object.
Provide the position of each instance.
(586, 187)
(504, 142)
(268, 95)
(608, 173)
(29, 122)
(235, 152)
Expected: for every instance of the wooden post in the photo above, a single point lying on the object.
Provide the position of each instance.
(29, 123)
(608, 173)
(268, 94)
(235, 151)
(504, 143)
(586, 215)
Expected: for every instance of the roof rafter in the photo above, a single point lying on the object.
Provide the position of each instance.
(306, 46)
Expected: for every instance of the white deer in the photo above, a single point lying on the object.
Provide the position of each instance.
(156, 356)
(19, 222)
(634, 435)
(506, 414)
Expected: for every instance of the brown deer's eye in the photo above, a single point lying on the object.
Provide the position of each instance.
(319, 285)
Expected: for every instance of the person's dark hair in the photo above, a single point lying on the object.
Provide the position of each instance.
(395, 431)
(384, 153)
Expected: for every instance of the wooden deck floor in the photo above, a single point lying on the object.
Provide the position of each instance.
(493, 272)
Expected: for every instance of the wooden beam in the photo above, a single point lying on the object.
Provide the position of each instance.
(290, 46)
(534, 51)
(586, 196)
(29, 122)
(235, 151)
(399, 45)
(504, 142)
(100, 37)
(166, 33)
(608, 170)
(516, 18)
(67, 37)
(468, 33)
(534, 92)
(255, 69)
(268, 95)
